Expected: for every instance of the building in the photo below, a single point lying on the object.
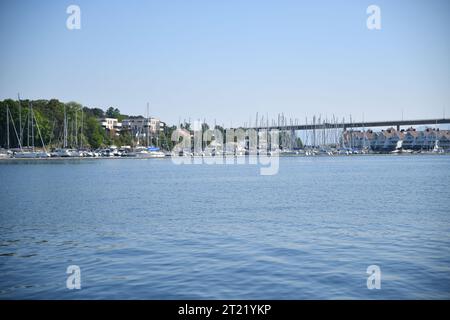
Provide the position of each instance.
(111, 125)
(411, 139)
(444, 139)
(387, 140)
(139, 126)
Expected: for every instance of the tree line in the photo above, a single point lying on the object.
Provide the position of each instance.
(83, 129)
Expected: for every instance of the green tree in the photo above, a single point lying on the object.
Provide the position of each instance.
(96, 112)
(112, 112)
(94, 133)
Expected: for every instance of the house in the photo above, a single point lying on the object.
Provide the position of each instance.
(111, 125)
(444, 139)
(430, 135)
(386, 140)
(410, 139)
(139, 126)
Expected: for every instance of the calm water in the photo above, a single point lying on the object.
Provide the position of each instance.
(149, 229)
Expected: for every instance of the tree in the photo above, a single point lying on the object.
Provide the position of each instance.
(96, 112)
(94, 132)
(112, 113)
(83, 127)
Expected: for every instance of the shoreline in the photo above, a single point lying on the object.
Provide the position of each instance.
(245, 156)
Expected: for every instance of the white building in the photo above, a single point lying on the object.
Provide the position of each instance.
(112, 125)
(140, 126)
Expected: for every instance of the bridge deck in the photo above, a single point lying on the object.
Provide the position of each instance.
(399, 123)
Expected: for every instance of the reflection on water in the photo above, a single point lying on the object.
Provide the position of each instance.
(151, 229)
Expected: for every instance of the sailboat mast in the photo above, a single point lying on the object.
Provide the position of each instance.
(28, 124)
(32, 125)
(81, 134)
(76, 128)
(148, 125)
(15, 131)
(39, 133)
(364, 132)
(65, 128)
(7, 127)
(20, 118)
(314, 131)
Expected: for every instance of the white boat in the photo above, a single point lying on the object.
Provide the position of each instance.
(116, 152)
(150, 152)
(399, 148)
(76, 153)
(437, 148)
(64, 153)
(5, 153)
(31, 155)
(106, 153)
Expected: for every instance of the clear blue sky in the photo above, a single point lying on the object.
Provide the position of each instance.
(228, 59)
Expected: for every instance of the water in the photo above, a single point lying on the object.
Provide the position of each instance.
(148, 229)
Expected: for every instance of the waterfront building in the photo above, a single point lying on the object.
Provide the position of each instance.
(386, 140)
(410, 139)
(139, 126)
(111, 125)
(444, 139)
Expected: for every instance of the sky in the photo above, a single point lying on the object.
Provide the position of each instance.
(224, 61)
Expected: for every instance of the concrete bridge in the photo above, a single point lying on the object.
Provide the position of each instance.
(346, 125)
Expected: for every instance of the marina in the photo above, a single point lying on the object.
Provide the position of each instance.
(231, 158)
(148, 137)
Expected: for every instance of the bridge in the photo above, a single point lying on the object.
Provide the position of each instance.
(346, 125)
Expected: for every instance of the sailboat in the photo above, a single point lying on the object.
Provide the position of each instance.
(32, 122)
(437, 148)
(6, 153)
(64, 152)
(399, 148)
(148, 151)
